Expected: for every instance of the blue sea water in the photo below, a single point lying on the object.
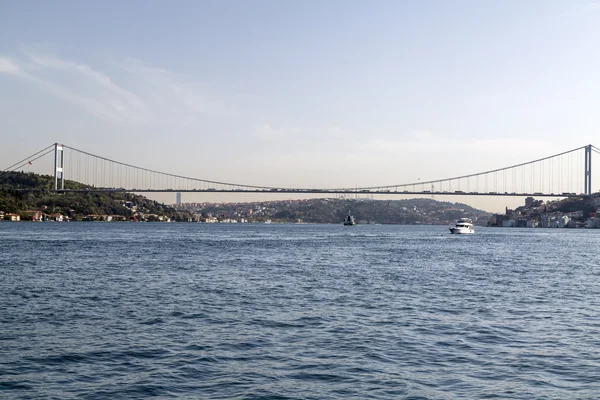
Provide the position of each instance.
(187, 311)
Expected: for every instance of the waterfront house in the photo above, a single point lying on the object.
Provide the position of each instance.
(95, 217)
(558, 221)
(13, 217)
(593, 223)
(34, 215)
(56, 217)
(508, 223)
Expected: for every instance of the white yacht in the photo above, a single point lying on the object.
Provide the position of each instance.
(463, 225)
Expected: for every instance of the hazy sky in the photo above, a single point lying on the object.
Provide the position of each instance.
(304, 93)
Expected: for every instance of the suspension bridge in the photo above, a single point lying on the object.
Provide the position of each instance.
(566, 174)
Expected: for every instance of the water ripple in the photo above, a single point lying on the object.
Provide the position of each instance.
(136, 311)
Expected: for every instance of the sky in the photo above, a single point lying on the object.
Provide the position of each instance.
(305, 93)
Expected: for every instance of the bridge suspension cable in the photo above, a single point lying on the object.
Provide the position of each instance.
(29, 159)
(165, 174)
(134, 172)
(476, 174)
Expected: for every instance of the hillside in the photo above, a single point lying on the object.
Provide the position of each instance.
(412, 211)
(75, 206)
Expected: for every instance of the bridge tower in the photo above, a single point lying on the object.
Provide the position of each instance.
(588, 170)
(59, 168)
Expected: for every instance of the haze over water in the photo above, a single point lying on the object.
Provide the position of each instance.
(134, 311)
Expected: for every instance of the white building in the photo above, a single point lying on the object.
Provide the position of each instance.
(13, 217)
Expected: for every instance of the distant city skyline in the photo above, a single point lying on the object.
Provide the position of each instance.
(310, 94)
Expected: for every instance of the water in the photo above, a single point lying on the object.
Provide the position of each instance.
(133, 311)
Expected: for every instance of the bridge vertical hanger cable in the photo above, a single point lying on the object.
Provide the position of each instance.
(532, 178)
(578, 174)
(541, 177)
(550, 176)
(560, 175)
(569, 167)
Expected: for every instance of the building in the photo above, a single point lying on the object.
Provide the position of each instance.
(56, 217)
(521, 223)
(178, 198)
(508, 223)
(34, 215)
(593, 223)
(529, 202)
(13, 217)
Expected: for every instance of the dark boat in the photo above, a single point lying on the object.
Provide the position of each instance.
(349, 220)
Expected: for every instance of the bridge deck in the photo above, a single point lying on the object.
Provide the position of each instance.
(309, 191)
